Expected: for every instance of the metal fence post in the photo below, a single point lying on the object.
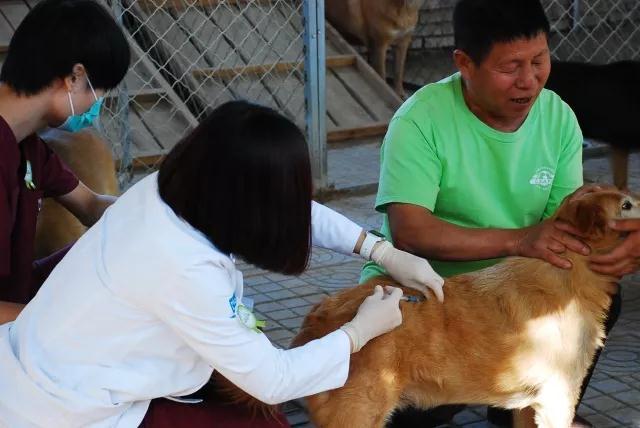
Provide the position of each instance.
(122, 112)
(575, 14)
(314, 90)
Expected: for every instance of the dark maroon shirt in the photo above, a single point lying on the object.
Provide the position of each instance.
(19, 206)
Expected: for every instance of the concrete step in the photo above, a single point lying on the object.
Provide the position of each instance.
(353, 168)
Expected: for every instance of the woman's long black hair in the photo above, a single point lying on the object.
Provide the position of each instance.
(243, 178)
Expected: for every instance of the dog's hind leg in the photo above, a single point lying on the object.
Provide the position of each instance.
(349, 410)
(400, 62)
(366, 401)
(620, 166)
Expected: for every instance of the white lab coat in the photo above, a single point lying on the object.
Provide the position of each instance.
(143, 307)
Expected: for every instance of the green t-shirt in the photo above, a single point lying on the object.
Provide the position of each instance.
(437, 154)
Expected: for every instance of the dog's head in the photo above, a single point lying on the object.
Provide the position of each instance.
(592, 212)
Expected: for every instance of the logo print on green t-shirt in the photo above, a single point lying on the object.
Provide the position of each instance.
(543, 177)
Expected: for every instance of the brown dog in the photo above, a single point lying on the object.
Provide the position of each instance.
(519, 334)
(378, 24)
(90, 158)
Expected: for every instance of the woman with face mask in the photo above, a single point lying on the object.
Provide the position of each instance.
(61, 60)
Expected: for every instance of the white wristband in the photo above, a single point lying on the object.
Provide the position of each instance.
(367, 245)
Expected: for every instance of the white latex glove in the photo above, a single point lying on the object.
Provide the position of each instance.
(409, 270)
(378, 314)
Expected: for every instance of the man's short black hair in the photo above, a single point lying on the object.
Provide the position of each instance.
(57, 34)
(478, 24)
(243, 179)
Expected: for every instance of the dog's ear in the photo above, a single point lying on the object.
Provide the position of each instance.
(587, 216)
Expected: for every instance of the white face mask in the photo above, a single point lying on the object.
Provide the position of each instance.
(75, 122)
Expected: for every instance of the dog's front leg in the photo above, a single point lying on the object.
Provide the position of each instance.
(555, 404)
(378, 57)
(400, 61)
(524, 418)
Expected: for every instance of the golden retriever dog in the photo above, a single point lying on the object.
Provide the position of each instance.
(90, 158)
(519, 334)
(378, 24)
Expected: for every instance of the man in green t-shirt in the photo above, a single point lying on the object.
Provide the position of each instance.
(473, 166)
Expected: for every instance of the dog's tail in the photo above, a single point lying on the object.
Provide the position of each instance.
(229, 393)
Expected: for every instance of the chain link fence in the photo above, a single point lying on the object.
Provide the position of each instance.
(189, 56)
(597, 31)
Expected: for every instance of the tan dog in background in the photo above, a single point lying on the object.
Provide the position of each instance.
(378, 24)
(520, 334)
(91, 160)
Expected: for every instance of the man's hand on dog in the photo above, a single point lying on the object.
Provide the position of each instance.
(625, 258)
(409, 270)
(548, 240)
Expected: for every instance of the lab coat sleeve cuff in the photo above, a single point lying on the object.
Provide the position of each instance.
(344, 348)
(332, 230)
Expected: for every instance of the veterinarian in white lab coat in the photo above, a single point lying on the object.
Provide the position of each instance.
(149, 302)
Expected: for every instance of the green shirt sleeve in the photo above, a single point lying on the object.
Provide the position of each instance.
(568, 175)
(410, 170)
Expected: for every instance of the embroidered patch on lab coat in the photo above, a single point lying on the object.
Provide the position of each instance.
(249, 320)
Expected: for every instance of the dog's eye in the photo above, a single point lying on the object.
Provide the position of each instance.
(627, 205)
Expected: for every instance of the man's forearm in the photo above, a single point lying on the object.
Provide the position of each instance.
(435, 239)
(96, 208)
(456, 243)
(9, 311)
(102, 202)
(85, 204)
